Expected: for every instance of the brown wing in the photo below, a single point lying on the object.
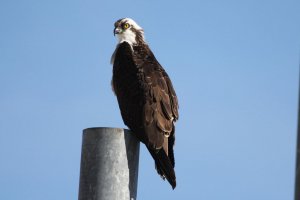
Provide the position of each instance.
(128, 89)
(148, 104)
(146, 97)
(160, 109)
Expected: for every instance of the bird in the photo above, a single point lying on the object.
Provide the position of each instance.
(145, 95)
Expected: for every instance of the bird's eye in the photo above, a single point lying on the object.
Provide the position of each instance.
(126, 26)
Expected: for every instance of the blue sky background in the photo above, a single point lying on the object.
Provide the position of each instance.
(234, 65)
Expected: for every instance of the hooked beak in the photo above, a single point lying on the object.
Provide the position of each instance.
(117, 30)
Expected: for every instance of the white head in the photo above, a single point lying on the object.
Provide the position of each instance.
(128, 30)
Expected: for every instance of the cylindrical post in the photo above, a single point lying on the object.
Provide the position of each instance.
(109, 165)
(297, 174)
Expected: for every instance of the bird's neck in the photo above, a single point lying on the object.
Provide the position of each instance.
(142, 50)
(132, 37)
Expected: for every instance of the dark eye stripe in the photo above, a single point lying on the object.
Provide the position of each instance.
(123, 25)
(117, 23)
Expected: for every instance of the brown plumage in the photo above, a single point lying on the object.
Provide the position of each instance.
(146, 97)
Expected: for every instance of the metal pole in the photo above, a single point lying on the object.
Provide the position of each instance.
(297, 179)
(109, 165)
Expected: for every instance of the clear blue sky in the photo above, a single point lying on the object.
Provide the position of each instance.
(234, 65)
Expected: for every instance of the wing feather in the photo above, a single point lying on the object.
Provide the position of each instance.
(148, 103)
(159, 99)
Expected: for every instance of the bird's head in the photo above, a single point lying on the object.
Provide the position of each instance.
(128, 30)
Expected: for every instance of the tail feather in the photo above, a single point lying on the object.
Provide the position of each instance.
(164, 166)
(171, 142)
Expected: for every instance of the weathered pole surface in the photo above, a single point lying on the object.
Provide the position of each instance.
(109, 165)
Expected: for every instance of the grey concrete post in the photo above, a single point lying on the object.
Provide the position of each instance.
(109, 165)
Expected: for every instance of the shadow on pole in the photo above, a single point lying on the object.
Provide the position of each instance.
(109, 165)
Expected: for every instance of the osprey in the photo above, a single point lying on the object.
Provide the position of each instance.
(145, 94)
